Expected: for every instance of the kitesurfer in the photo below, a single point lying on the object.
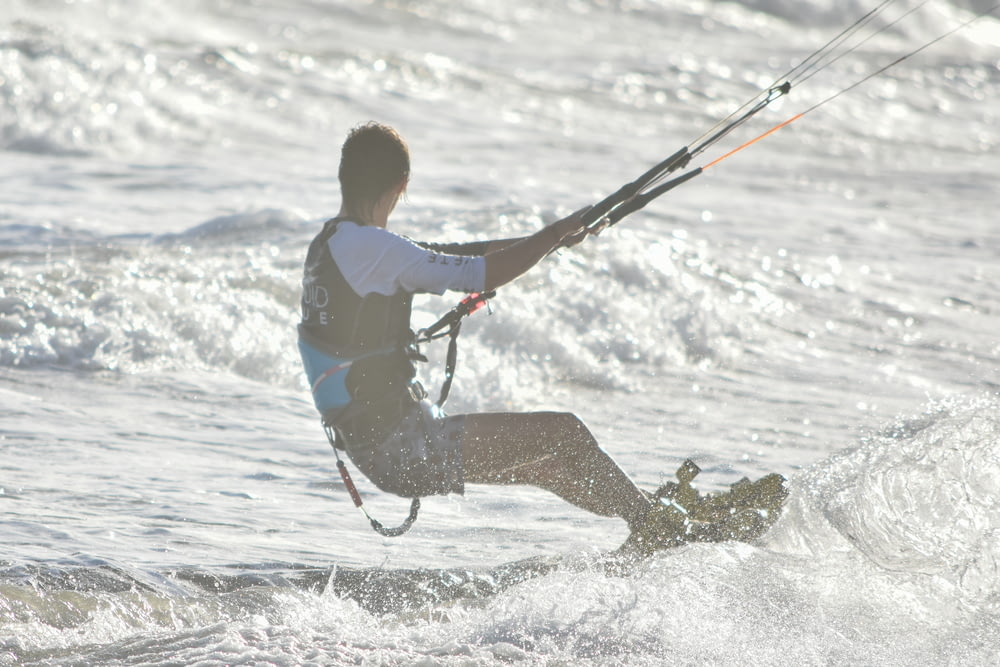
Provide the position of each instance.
(358, 348)
(356, 344)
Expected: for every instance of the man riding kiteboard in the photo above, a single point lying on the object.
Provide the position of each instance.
(358, 351)
(358, 348)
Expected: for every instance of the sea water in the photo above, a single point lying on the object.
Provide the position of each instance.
(823, 305)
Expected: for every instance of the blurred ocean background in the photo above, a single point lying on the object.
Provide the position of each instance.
(823, 305)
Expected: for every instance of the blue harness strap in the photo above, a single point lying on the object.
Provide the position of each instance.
(327, 375)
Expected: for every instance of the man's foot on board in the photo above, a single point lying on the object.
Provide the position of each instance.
(680, 514)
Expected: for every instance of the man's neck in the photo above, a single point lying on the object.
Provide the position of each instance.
(373, 218)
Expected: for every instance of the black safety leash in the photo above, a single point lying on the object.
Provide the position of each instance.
(356, 496)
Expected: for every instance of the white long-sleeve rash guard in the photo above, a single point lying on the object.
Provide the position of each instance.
(373, 259)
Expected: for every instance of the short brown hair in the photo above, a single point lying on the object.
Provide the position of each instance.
(373, 160)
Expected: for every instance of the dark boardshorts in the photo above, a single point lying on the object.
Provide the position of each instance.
(421, 456)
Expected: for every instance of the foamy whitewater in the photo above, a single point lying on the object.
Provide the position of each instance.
(823, 305)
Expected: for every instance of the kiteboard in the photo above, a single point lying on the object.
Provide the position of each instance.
(683, 515)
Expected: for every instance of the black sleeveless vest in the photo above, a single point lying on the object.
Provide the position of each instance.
(337, 321)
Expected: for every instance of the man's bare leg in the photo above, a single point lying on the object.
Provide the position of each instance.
(553, 451)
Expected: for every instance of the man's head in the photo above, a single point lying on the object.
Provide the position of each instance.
(374, 162)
